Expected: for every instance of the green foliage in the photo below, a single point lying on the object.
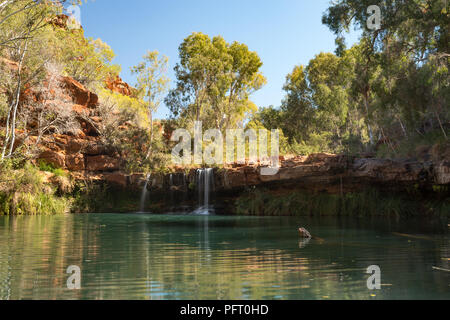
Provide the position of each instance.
(319, 112)
(86, 60)
(417, 25)
(343, 104)
(91, 197)
(151, 86)
(214, 81)
(430, 146)
(390, 87)
(3, 105)
(88, 197)
(401, 70)
(360, 204)
(128, 108)
(29, 50)
(125, 130)
(151, 80)
(24, 192)
(48, 167)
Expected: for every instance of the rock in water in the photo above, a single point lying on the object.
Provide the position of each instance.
(304, 233)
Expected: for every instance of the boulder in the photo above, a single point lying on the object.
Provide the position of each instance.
(102, 163)
(80, 110)
(75, 145)
(61, 139)
(320, 157)
(60, 21)
(252, 176)
(369, 168)
(75, 162)
(234, 178)
(79, 93)
(57, 159)
(384, 170)
(119, 86)
(94, 149)
(89, 128)
(117, 178)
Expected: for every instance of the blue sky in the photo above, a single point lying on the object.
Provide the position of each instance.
(284, 33)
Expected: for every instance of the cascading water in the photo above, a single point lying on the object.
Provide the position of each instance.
(144, 193)
(205, 182)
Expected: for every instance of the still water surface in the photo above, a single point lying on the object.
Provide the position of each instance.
(140, 256)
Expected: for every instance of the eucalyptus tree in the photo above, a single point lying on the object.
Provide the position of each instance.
(20, 23)
(215, 80)
(420, 26)
(410, 51)
(297, 111)
(152, 85)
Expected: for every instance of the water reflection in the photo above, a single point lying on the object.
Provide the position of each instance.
(209, 257)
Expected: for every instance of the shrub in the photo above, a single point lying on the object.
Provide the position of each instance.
(48, 167)
(366, 203)
(24, 191)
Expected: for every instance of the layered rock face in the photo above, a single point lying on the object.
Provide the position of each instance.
(79, 148)
(318, 172)
(82, 151)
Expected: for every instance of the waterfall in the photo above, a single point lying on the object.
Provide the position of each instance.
(208, 183)
(144, 194)
(205, 180)
(199, 185)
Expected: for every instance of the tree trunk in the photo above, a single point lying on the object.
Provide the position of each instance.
(366, 104)
(440, 124)
(150, 149)
(11, 122)
(403, 127)
(7, 135)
